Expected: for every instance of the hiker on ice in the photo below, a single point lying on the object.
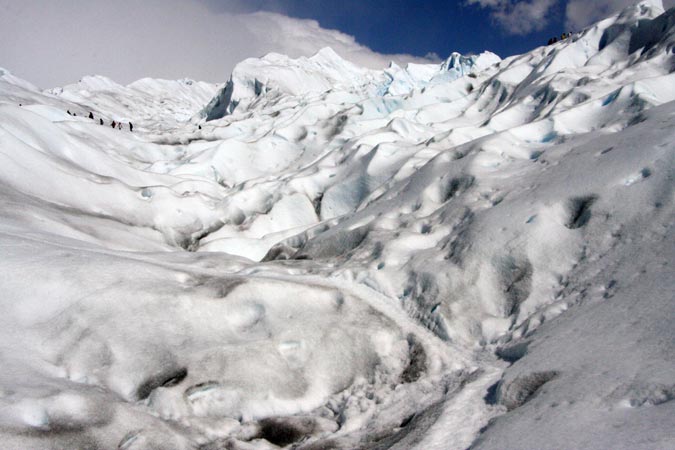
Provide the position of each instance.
(100, 121)
(91, 116)
(113, 124)
(131, 126)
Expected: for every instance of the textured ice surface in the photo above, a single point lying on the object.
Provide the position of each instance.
(471, 254)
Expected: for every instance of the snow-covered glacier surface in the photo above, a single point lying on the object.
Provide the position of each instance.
(476, 254)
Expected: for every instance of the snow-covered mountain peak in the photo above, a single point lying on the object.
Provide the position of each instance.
(282, 75)
(326, 63)
(326, 70)
(328, 55)
(418, 76)
(94, 83)
(464, 64)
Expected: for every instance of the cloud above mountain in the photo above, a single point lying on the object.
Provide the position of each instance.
(54, 43)
(518, 17)
(581, 13)
(527, 16)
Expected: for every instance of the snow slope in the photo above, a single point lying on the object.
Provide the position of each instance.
(471, 254)
(147, 102)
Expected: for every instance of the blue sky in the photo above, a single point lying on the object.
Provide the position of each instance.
(418, 27)
(421, 27)
(53, 43)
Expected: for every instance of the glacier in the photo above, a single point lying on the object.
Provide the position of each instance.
(314, 255)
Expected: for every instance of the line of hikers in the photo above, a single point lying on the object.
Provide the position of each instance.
(113, 124)
(119, 125)
(563, 36)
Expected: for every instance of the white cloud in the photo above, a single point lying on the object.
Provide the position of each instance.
(521, 17)
(518, 17)
(581, 13)
(53, 43)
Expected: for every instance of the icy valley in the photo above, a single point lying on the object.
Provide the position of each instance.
(474, 254)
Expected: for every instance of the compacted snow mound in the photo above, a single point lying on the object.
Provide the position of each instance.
(476, 253)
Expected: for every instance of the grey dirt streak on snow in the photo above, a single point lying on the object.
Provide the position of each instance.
(314, 255)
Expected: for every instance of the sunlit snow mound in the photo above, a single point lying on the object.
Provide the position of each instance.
(476, 253)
